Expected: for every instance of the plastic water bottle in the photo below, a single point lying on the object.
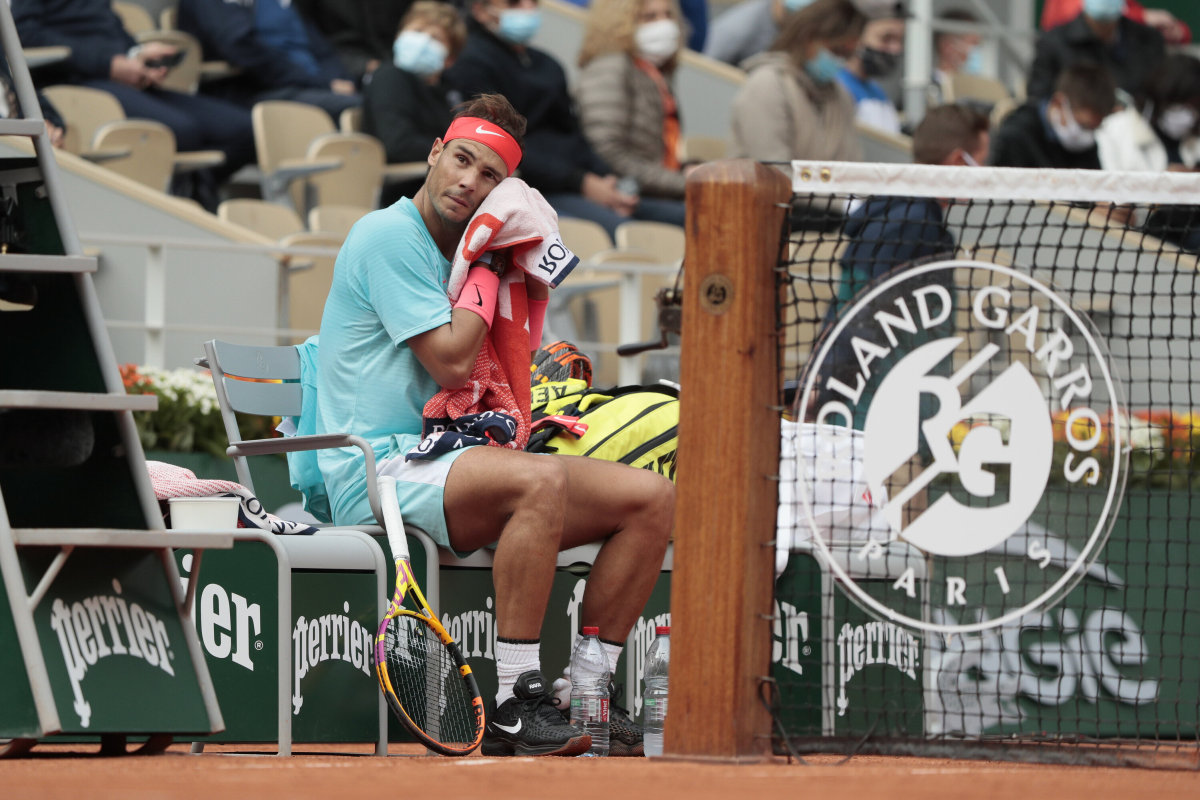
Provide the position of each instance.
(589, 691)
(658, 659)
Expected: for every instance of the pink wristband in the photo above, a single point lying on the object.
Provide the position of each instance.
(479, 293)
(537, 317)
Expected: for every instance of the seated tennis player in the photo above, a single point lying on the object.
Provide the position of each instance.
(389, 340)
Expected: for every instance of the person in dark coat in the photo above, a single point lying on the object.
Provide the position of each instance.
(562, 165)
(105, 56)
(406, 105)
(279, 55)
(360, 30)
(890, 233)
(1130, 51)
(1058, 132)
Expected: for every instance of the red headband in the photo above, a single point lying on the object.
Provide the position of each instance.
(488, 134)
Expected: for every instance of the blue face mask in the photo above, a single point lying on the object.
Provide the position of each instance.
(518, 25)
(419, 53)
(823, 67)
(974, 63)
(1103, 10)
(795, 5)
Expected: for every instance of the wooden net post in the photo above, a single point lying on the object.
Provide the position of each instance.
(722, 584)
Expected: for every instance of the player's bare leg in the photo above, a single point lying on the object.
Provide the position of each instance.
(536, 505)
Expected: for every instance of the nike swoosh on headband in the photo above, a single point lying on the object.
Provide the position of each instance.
(483, 130)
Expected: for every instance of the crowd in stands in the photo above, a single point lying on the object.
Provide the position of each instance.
(1103, 90)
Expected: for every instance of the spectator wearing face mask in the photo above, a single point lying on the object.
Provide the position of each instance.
(1173, 110)
(1059, 132)
(878, 54)
(792, 105)
(748, 28)
(1174, 30)
(953, 54)
(628, 111)
(561, 164)
(1130, 51)
(406, 105)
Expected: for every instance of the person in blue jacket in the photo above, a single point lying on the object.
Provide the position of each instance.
(104, 56)
(888, 233)
(279, 54)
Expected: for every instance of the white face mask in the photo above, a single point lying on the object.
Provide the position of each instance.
(1070, 134)
(657, 41)
(1177, 121)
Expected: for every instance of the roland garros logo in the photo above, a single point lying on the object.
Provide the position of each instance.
(962, 388)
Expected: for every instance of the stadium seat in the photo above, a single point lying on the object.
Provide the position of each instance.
(86, 111)
(350, 120)
(184, 76)
(150, 146)
(308, 288)
(335, 219)
(702, 148)
(277, 223)
(283, 132)
(136, 19)
(356, 182)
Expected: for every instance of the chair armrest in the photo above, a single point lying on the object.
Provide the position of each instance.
(189, 160)
(317, 441)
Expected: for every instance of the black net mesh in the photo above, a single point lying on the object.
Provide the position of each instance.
(987, 479)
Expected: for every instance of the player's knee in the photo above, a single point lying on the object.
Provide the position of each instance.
(660, 507)
(542, 488)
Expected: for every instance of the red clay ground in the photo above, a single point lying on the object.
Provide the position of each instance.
(72, 772)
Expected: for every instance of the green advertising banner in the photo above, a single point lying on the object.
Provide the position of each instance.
(1116, 658)
(333, 691)
(114, 645)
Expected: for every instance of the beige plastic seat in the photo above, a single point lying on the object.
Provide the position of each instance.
(167, 18)
(184, 76)
(269, 219)
(975, 87)
(283, 132)
(584, 237)
(350, 120)
(335, 219)
(135, 18)
(658, 239)
(150, 146)
(275, 222)
(702, 148)
(359, 178)
(308, 288)
(85, 111)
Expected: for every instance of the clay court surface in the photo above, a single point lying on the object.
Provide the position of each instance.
(74, 772)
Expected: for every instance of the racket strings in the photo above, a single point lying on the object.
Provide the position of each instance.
(426, 682)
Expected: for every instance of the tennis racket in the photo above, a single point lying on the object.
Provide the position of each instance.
(421, 671)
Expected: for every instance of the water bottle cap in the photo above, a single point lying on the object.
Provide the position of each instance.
(590, 631)
(662, 630)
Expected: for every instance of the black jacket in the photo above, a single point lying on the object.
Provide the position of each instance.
(1024, 139)
(404, 112)
(89, 27)
(556, 153)
(360, 30)
(1132, 59)
(227, 32)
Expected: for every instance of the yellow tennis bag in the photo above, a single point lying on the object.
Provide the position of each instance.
(635, 425)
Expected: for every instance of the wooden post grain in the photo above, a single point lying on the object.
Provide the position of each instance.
(722, 584)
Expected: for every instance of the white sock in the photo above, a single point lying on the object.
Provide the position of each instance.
(513, 659)
(613, 651)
